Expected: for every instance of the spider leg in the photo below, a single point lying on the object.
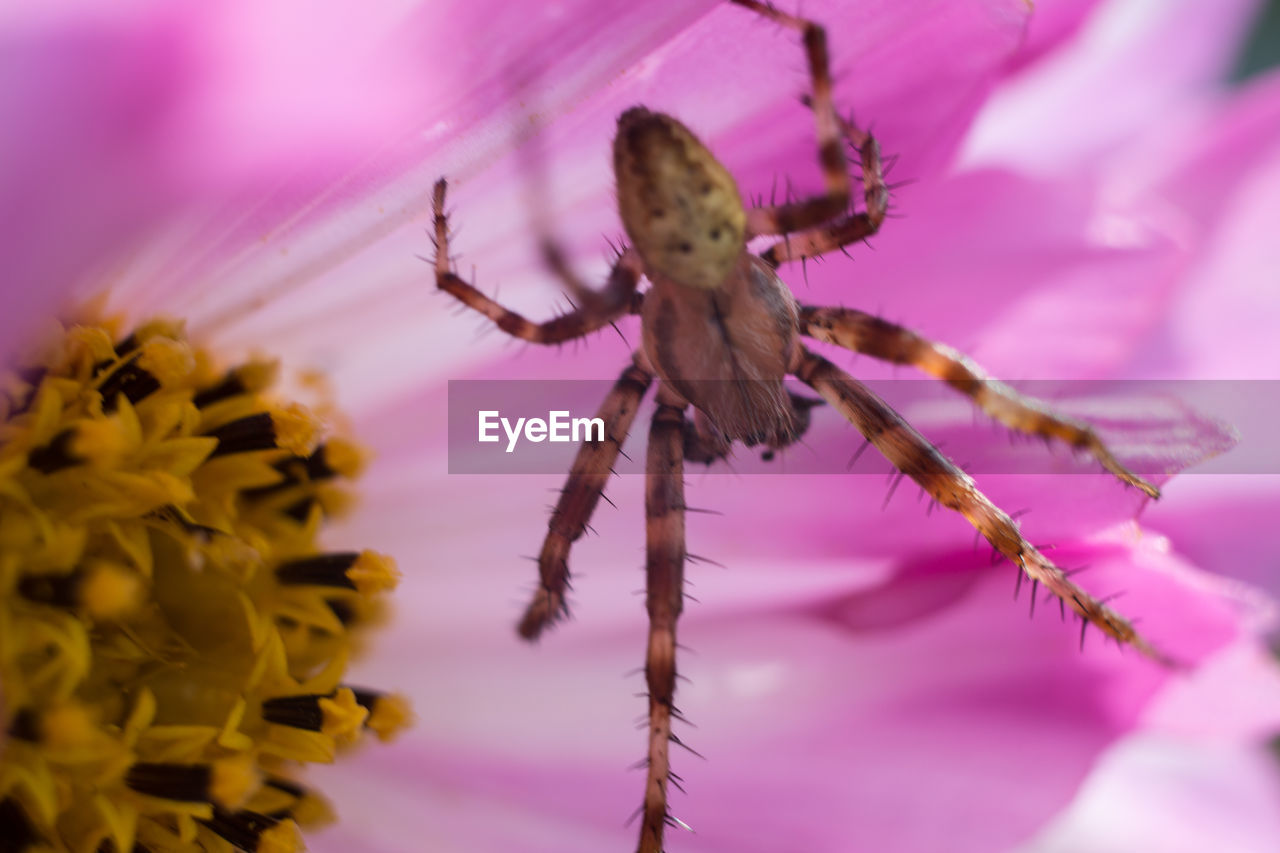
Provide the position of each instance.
(913, 455)
(579, 497)
(664, 583)
(797, 216)
(870, 335)
(703, 441)
(597, 309)
(586, 297)
(800, 420)
(850, 228)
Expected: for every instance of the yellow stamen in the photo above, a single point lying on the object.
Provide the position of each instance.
(389, 716)
(257, 376)
(281, 838)
(67, 726)
(312, 810)
(296, 429)
(373, 573)
(343, 716)
(233, 780)
(168, 360)
(159, 327)
(111, 591)
(343, 458)
(164, 594)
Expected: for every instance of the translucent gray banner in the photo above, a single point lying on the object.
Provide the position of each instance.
(1154, 427)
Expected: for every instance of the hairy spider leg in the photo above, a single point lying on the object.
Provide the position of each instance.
(870, 335)
(797, 216)
(664, 509)
(618, 297)
(703, 442)
(913, 455)
(585, 297)
(578, 499)
(851, 227)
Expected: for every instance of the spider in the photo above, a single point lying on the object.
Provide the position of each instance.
(721, 331)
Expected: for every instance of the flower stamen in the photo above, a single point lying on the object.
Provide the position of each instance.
(255, 832)
(226, 782)
(389, 714)
(364, 571)
(172, 638)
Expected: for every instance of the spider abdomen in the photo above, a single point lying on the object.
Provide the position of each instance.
(681, 207)
(727, 350)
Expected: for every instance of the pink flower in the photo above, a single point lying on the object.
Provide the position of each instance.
(854, 668)
(859, 677)
(1199, 164)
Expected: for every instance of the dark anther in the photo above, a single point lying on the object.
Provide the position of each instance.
(300, 510)
(288, 786)
(243, 829)
(320, 570)
(343, 610)
(188, 783)
(130, 380)
(58, 590)
(295, 470)
(16, 832)
(231, 386)
(55, 455)
(299, 712)
(25, 726)
(366, 698)
(252, 432)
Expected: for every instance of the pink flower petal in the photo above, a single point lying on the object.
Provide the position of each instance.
(1153, 793)
(921, 98)
(1133, 65)
(1225, 524)
(123, 117)
(853, 709)
(1221, 192)
(1233, 697)
(1052, 26)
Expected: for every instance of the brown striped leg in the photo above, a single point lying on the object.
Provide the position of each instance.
(578, 499)
(868, 334)
(913, 455)
(850, 228)
(598, 308)
(797, 216)
(664, 582)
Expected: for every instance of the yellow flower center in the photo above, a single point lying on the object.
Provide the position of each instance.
(172, 640)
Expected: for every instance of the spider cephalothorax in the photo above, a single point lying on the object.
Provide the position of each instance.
(721, 332)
